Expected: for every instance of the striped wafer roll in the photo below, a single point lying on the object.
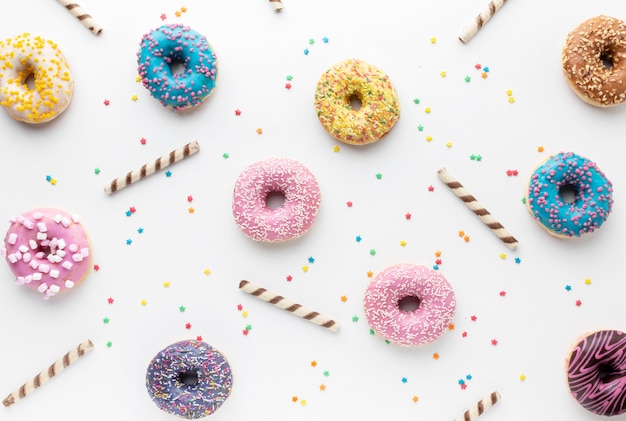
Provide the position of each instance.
(290, 306)
(483, 17)
(480, 407)
(147, 169)
(471, 202)
(277, 5)
(54, 369)
(84, 17)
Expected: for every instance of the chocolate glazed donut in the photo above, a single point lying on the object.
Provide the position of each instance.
(596, 372)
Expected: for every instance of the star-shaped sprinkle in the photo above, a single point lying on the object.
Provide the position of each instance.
(358, 238)
(287, 85)
(134, 97)
(578, 303)
(294, 399)
(96, 170)
(306, 51)
(305, 268)
(326, 373)
(237, 112)
(587, 281)
(407, 216)
(163, 16)
(336, 148)
(311, 259)
(322, 387)
(244, 314)
(540, 149)
(502, 256)
(140, 230)
(259, 130)
(431, 188)
(168, 173)
(416, 100)
(372, 252)
(239, 307)
(182, 309)
(289, 278)
(187, 326)
(325, 40)
(110, 300)
(349, 204)
(144, 302)
(427, 110)
(191, 209)
(436, 356)
(402, 243)
(109, 344)
(379, 176)
(404, 380)
(344, 298)
(355, 319)
(568, 287)
(206, 271)
(96, 267)
(522, 377)
(468, 79)
(494, 342)
(442, 73)
(415, 399)
(129, 241)
(502, 293)
(370, 274)
(433, 40)
(166, 284)
(107, 102)
(106, 320)
(420, 128)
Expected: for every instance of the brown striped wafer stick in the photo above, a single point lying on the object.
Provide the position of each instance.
(85, 18)
(147, 169)
(477, 208)
(54, 369)
(474, 26)
(480, 407)
(277, 5)
(290, 306)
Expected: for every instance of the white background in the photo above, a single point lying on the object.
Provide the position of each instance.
(534, 323)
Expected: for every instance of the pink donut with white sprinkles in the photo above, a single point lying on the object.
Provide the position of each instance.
(409, 304)
(47, 250)
(282, 177)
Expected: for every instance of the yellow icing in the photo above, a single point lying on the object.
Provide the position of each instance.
(354, 78)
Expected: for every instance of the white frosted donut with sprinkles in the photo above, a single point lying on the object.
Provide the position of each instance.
(284, 177)
(47, 250)
(24, 58)
(409, 304)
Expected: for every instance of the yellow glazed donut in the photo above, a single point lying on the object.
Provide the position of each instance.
(26, 57)
(594, 61)
(356, 80)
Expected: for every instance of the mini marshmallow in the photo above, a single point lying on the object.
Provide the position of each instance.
(67, 264)
(28, 223)
(42, 236)
(42, 287)
(66, 222)
(12, 258)
(73, 248)
(57, 218)
(43, 268)
(32, 244)
(37, 215)
(77, 257)
(37, 276)
(41, 226)
(12, 238)
(34, 264)
(61, 243)
(26, 257)
(69, 283)
(54, 273)
(23, 248)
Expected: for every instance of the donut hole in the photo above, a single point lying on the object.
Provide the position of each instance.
(607, 60)
(409, 303)
(29, 80)
(189, 378)
(607, 373)
(568, 193)
(275, 199)
(355, 101)
(177, 66)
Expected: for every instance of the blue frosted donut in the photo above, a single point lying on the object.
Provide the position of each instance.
(591, 195)
(177, 45)
(190, 379)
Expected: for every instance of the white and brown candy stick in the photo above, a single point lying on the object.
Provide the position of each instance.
(288, 305)
(480, 407)
(483, 17)
(84, 17)
(480, 211)
(54, 369)
(277, 5)
(152, 167)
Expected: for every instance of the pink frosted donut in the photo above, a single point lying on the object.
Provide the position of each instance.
(287, 178)
(425, 290)
(47, 250)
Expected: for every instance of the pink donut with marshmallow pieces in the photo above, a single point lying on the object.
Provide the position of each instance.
(47, 250)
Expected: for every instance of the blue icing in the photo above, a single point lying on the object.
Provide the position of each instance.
(593, 195)
(190, 379)
(176, 43)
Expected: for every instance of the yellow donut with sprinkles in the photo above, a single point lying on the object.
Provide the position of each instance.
(36, 84)
(356, 102)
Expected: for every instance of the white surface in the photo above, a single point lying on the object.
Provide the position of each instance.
(534, 324)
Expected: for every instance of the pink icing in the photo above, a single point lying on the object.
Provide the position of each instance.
(282, 175)
(423, 325)
(47, 250)
(596, 372)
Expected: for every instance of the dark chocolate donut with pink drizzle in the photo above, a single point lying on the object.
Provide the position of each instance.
(596, 372)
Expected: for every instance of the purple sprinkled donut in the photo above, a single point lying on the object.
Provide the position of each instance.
(190, 379)
(596, 372)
